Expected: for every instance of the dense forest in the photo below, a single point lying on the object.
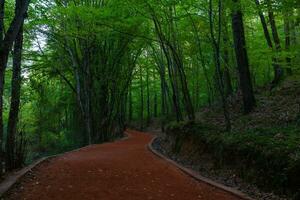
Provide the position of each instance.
(78, 72)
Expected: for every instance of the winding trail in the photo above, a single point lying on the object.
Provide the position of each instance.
(123, 170)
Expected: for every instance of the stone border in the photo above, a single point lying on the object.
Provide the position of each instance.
(197, 176)
(12, 178)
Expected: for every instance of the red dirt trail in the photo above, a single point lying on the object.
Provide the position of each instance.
(123, 170)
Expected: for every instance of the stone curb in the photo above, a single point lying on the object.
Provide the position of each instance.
(197, 176)
(14, 177)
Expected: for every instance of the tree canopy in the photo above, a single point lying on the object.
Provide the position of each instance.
(77, 72)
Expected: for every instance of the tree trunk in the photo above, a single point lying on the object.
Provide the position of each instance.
(226, 72)
(172, 75)
(155, 105)
(130, 110)
(217, 59)
(3, 61)
(242, 58)
(287, 33)
(278, 72)
(264, 25)
(2, 3)
(142, 100)
(202, 60)
(6, 42)
(15, 102)
(148, 98)
(275, 63)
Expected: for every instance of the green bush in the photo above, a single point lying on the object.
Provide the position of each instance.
(270, 158)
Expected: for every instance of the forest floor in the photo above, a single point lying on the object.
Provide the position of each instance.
(124, 169)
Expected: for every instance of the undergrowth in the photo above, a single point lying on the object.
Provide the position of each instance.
(267, 157)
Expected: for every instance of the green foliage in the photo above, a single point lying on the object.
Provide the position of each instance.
(118, 45)
(267, 157)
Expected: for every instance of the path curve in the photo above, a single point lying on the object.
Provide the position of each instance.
(123, 170)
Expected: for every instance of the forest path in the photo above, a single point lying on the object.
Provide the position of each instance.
(123, 170)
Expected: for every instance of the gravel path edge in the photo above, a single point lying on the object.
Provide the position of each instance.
(12, 178)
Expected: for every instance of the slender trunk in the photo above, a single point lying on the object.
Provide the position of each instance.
(148, 98)
(186, 94)
(172, 77)
(226, 72)
(142, 100)
(130, 110)
(273, 26)
(217, 59)
(155, 105)
(162, 73)
(293, 34)
(175, 48)
(264, 25)
(2, 3)
(155, 96)
(197, 88)
(287, 33)
(201, 58)
(15, 102)
(278, 72)
(3, 61)
(228, 90)
(184, 87)
(163, 96)
(275, 63)
(242, 58)
(80, 92)
(6, 42)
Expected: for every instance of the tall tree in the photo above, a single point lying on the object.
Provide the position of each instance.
(242, 57)
(216, 42)
(142, 99)
(6, 42)
(275, 61)
(278, 71)
(15, 103)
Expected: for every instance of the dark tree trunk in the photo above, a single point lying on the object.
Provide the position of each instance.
(130, 110)
(142, 101)
(228, 90)
(155, 105)
(186, 95)
(273, 25)
(226, 72)
(293, 35)
(2, 2)
(287, 32)
(275, 63)
(15, 102)
(6, 42)
(172, 71)
(264, 25)
(278, 72)
(163, 96)
(202, 60)
(148, 98)
(242, 58)
(217, 59)
(3, 61)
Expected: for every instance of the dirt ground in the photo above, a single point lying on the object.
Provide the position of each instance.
(123, 170)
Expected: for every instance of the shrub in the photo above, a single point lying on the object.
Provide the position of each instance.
(269, 158)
